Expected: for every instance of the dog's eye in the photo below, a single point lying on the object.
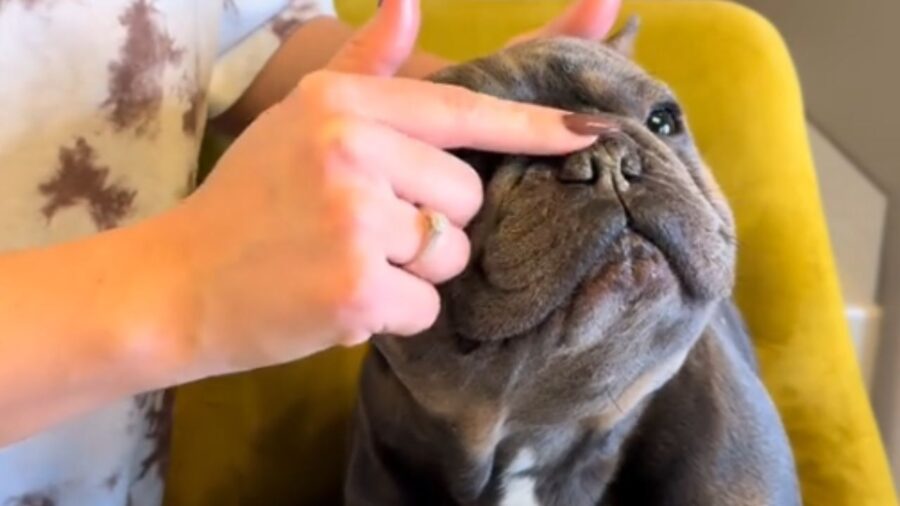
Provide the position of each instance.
(665, 120)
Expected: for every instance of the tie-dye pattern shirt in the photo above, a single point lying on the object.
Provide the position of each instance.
(104, 104)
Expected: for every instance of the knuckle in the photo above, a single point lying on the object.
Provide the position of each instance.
(456, 257)
(337, 142)
(473, 190)
(464, 102)
(313, 86)
(355, 299)
(448, 260)
(322, 88)
(350, 226)
(465, 107)
(465, 252)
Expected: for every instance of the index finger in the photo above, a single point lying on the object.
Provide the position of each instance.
(449, 116)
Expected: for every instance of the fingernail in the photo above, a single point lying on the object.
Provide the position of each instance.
(587, 124)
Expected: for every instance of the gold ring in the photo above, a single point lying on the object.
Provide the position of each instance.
(435, 226)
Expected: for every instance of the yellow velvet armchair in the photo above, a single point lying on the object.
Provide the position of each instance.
(276, 436)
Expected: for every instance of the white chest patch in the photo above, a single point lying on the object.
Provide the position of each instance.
(519, 490)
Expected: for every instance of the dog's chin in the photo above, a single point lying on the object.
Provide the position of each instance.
(633, 272)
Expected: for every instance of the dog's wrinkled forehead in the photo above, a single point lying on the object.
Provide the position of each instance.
(566, 73)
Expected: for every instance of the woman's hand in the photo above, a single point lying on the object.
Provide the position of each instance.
(307, 233)
(314, 43)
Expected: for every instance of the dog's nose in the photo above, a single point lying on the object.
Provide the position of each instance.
(614, 153)
(618, 153)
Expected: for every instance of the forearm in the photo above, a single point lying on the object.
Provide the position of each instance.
(308, 49)
(84, 324)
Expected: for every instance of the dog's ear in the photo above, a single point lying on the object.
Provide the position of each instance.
(623, 40)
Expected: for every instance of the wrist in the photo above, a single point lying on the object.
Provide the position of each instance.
(155, 317)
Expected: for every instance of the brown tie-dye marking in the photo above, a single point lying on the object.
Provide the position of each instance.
(193, 92)
(135, 81)
(33, 499)
(294, 17)
(79, 179)
(112, 481)
(158, 414)
(190, 120)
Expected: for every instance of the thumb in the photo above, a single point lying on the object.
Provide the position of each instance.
(381, 46)
(586, 19)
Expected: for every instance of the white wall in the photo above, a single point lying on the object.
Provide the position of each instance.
(855, 209)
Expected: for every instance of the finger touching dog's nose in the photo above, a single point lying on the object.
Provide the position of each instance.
(614, 157)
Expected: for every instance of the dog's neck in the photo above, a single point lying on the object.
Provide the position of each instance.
(504, 458)
(642, 388)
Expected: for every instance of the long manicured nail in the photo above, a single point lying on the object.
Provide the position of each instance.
(587, 124)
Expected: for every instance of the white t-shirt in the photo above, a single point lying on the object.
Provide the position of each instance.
(103, 107)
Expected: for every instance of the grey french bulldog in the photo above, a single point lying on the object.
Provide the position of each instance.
(590, 354)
